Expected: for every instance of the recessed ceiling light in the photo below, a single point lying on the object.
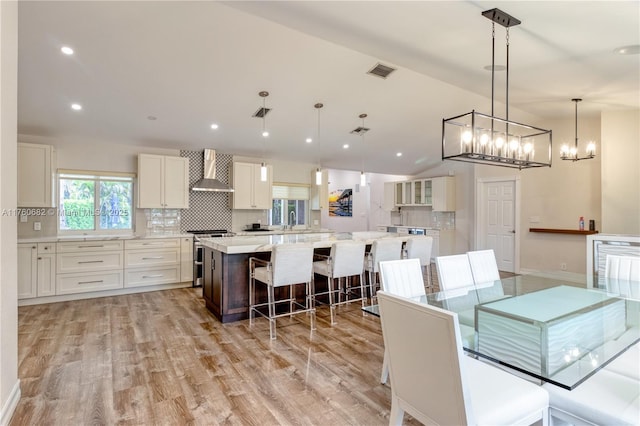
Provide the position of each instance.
(345, 146)
(214, 126)
(76, 107)
(308, 140)
(398, 154)
(633, 49)
(152, 117)
(265, 134)
(66, 50)
(495, 67)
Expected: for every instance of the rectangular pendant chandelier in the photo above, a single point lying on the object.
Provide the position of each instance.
(487, 139)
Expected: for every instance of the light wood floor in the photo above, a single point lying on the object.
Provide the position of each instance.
(161, 358)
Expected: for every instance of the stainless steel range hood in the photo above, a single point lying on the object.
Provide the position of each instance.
(209, 181)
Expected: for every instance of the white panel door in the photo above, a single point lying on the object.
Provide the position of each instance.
(499, 227)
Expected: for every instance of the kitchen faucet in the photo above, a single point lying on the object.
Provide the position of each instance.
(292, 222)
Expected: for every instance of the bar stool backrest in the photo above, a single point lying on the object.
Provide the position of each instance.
(346, 258)
(385, 249)
(419, 248)
(292, 264)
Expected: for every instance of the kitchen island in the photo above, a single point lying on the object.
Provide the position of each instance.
(225, 286)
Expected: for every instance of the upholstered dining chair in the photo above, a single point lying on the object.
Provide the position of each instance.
(290, 265)
(381, 250)
(484, 267)
(454, 271)
(420, 248)
(402, 278)
(622, 267)
(344, 261)
(622, 275)
(434, 382)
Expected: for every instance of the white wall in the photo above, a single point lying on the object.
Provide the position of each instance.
(9, 383)
(557, 196)
(621, 172)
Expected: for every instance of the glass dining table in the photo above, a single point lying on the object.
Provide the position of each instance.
(556, 331)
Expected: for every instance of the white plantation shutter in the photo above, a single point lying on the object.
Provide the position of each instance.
(290, 192)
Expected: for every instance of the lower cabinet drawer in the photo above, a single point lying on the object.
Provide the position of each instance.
(151, 258)
(151, 276)
(89, 262)
(86, 282)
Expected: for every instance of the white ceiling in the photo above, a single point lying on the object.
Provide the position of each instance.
(193, 63)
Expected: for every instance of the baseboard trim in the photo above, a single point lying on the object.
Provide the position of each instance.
(559, 275)
(103, 293)
(10, 405)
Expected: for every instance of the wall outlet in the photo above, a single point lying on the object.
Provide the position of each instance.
(534, 219)
(316, 222)
(37, 226)
(563, 266)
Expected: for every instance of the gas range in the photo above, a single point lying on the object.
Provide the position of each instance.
(210, 233)
(198, 250)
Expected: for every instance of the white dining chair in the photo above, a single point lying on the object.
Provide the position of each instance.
(484, 267)
(435, 383)
(290, 265)
(344, 261)
(420, 248)
(402, 278)
(622, 267)
(381, 250)
(454, 271)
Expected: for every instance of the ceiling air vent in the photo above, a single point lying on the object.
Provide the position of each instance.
(380, 70)
(261, 112)
(360, 130)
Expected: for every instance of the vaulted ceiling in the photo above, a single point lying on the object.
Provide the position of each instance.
(160, 73)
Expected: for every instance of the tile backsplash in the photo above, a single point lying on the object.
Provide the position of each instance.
(207, 210)
(162, 221)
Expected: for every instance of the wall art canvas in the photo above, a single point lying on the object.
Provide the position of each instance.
(341, 202)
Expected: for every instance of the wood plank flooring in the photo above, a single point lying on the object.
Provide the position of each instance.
(161, 358)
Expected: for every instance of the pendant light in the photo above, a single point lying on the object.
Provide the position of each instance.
(363, 177)
(486, 139)
(571, 154)
(318, 106)
(263, 167)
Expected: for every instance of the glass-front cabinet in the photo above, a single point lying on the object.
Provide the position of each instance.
(404, 193)
(436, 192)
(422, 192)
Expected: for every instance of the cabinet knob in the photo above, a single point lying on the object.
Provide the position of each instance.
(39, 258)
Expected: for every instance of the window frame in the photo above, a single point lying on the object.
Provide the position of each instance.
(295, 188)
(97, 177)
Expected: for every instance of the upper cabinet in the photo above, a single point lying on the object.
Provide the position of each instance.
(444, 194)
(438, 193)
(36, 168)
(163, 182)
(319, 193)
(250, 191)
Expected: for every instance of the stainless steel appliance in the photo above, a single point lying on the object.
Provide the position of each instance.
(198, 250)
(416, 231)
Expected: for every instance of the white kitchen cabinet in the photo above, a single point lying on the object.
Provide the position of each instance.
(404, 193)
(86, 266)
(46, 261)
(444, 194)
(320, 193)
(36, 270)
(186, 259)
(36, 168)
(250, 192)
(163, 182)
(27, 271)
(152, 261)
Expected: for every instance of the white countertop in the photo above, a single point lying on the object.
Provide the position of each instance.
(63, 238)
(261, 243)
